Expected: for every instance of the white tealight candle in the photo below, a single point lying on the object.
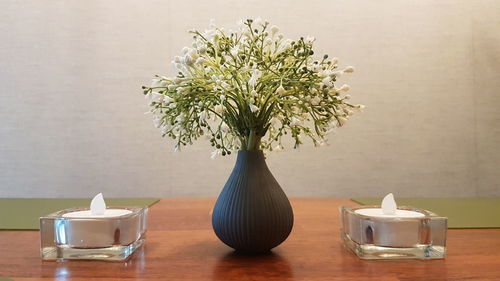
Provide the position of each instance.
(108, 213)
(389, 210)
(377, 212)
(98, 210)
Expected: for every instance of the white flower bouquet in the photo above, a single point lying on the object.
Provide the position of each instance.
(248, 89)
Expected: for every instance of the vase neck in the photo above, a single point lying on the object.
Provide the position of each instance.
(251, 154)
(250, 158)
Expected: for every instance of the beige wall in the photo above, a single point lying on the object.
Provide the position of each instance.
(71, 112)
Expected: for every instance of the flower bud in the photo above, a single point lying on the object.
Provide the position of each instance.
(280, 90)
(349, 69)
(344, 88)
(274, 29)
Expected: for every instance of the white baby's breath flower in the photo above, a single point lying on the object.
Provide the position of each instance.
(316, 100)
(255, 76)
(241, 24)
(156, 97)
(310, 39)
(344, 88)
(202, 116)
(202, 49)
(158, 83)
(275, 122)
(179, 118)
(178, 80)
(219, 109)
(188, 60)
(295, 122)
(323, 142)
(342, 121)
(214, 154)
(360, 107)
(200, 60)
(179, 67)
(219, 75)
(168, 100)
(274, 29)
(157, 121)
(165, 128)
(177, 148)
(212, 24)
(235, 50)
(285, 45)
(253, 108)
(280, 90)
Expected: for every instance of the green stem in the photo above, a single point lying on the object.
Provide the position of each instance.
(253, 141)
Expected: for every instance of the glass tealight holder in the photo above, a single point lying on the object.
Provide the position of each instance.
(394, 237)
(101, 238)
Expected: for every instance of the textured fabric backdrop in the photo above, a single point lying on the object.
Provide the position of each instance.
(71, 110)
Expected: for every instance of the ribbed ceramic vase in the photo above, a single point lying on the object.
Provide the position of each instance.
(252, 213)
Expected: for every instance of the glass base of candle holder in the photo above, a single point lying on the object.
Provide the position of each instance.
(113, 253)
(92, 238)
(374, 237)
(370, 251)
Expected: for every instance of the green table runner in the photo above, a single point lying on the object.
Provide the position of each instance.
(461, 212)
(24, 213)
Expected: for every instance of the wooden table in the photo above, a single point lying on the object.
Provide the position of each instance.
(182, 246)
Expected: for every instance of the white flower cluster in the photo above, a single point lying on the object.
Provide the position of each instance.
(247, 89)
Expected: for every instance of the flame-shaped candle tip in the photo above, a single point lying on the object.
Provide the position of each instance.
(389, 205)
(97, 205)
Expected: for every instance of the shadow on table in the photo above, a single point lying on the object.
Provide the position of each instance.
(238, 266)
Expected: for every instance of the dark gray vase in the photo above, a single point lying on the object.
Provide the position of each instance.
(252, 213)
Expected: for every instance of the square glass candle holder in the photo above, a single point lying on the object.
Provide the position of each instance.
(394, 237)
(96, 238)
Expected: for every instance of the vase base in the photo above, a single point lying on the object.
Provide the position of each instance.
(252, 253)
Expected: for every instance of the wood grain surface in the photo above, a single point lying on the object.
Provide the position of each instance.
(182, 246)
